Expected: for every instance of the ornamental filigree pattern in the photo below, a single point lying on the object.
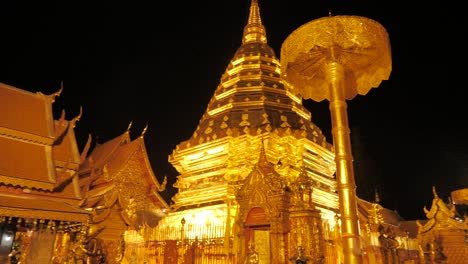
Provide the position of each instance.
(132, 189)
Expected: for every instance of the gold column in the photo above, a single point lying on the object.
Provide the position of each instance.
(344, 165)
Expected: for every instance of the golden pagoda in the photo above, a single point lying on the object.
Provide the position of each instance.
(255, 167)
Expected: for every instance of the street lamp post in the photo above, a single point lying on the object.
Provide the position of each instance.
(336, 58)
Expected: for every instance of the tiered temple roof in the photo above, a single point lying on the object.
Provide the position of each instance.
(118, 181)
(39, 158)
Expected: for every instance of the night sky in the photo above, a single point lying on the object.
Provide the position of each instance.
(159, 62)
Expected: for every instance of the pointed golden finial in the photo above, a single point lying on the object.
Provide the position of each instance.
(62, 116)
(129, 125)
(54, 95)
(262, 159)
(144, 130)
(77, 118)
(254, 31)
(434, 192)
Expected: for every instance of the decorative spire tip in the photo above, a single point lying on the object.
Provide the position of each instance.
(129, 125)
(144, 130)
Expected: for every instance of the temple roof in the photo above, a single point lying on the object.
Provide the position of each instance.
(103, 152)
(65, 149)
(39, 158)
(252, 98)
(387, 216)
(119, 162)
(26, 115)
(38, 152)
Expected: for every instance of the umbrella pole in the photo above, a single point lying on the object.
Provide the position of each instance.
(344, 167)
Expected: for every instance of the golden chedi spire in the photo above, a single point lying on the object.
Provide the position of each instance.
(252, 97)
(254, 31)
(251, 102)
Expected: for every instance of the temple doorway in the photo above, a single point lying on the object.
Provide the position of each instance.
(262, 244)
(258, 232)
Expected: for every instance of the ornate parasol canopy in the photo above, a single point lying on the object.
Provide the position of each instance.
(360, 45)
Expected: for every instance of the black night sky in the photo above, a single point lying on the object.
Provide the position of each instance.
(158, 63)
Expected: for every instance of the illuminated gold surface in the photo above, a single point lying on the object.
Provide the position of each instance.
(460, 196)
(336, 58)
(443, 237)
(251, 109)
(122, 194)
(359, 44)
(252, 103)
(39, 190)
(256, 169)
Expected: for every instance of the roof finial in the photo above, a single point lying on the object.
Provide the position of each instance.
(263, 156)
(62, 116)
(329, 12)
(129, 125)
(377, 196)
(435, 192)
(52, 96)
(144, 130)
(254, 31)
(77, 118)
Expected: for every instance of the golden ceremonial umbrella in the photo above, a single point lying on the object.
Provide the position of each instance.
(359, 44)
(336, 58)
